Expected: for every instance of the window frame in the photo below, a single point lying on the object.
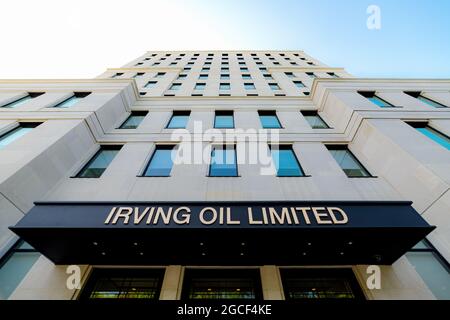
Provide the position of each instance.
(290, 147)
(312, 113)
(345, 147)
(269, 113)
(223, 113)
(178, 113)
(93, 157)
(133, 113)
(223, 147)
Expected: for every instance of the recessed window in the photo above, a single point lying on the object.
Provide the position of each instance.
(116, 75)
(224, 120)
(225, 69)
(123, 283)
(244, 69)
(375, 99)
(156, 63)
(293, 63)
(428, 101)
(182, 76)
(160, 74)
(276, 63)
(269, 120)
(139, 64)
(134, 120)
(220, 284)
(348, 162)
(178, 120)
(310, 63)
(307, 284)
(285, 161)
(139, 74)
(186, 68)
(20, 101)
(259, 63)
(16, 133)
(207, 63)
(200, 86)
(224, 76)
(241, 63)
(206, 69)
(246, 77)
(311, 74)
(175, 86)
(314, 120)
(99, 162)
(150, 84)
(289, 74)
(161, 162)
(268, 77)
(431, 133)
(223, 161)
(190, 63)
(74, 99)
(299, 84)
(173, 63)
(332, 74)
(263, 69)
(249, 86)
(142, 93)
(274, 86)
(203, 77)
(224, 86)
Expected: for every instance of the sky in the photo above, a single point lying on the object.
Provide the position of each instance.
(67, 39)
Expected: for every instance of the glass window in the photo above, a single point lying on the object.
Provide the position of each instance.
(150, 84)
(160, 74)
(244, 69)
(224, 120)
(182, 76)
(289, 74)
(134, 120)
(432, 267)
(16, 133)
(99, 162)
(178, 120)
(222, 284)
(175, 86)
(348, 162)
(269, 120)
(200, 86)
(431, 133)
(274, 86)
(20, 101)
(314, 120)
(299, 284)
(246, 77)
(224, 86)
(249, 86)
(123, 284)
(268, 77)
(299, 84)
(285, 161)
(69, 102)
(203, 76)
(311, 74)
(161, 163)
(138, 75)
(331, 74)
(375, 99)
(14, 266)
(223, 161)
(224, 77)
(428, 101)
(206, 69)
(116, 75)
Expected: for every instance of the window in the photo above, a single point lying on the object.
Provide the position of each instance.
(14, 266)
(205, 69)
(244, 69)
(16, 133)
(274, 86)
(139, 74)
(69, 102)
(289, 74)
(224, 86)
(311, 74)
(239, 284)
(156, 63)
(134, 120)
(99, 162)
(160, 74)
(249, 86)
(116, 75)
(20, 101)
(321, 283)
(299, 84)
(268, 77)
(186, 68)
(293, 63)
(203, 76)
(310, 63)
(175, 86)
(276, 63)
(178, 120)
(224, 120)
(224, 77)
(314, 120)
(428, 101)
(223, 161)
(431, 133)
(246, 77)
(224, 69)
(139, 64)
(150, 84)
(123, 284)
(269, 120)
(161, 163)
(332, 74)
(200, 86)
(182, 76)
(348, 162)
(207, 63)
(375, 99)
(173, 63)
(432, 267)
(285, 161)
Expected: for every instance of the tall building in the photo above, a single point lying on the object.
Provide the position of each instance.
(214, 175)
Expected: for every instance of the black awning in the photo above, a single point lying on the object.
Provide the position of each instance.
(223, 233)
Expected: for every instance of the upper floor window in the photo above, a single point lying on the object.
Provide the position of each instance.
(274, 86)
(200, 86)
(116, 75)
(299, 84)
(311, 74)
(244, 69)
(314, 120)
(161, 162)
(332, 74)
(223, 161)
(150, 84)
(16, 133)
(203, 77)
(285, 161)
(249, 86)
(224, 76)
(431, 133)
(182, 76)
(348, 162)
(205, 69)
(246, 77)
(99, 162)
(20, 101)
(375, 99)
(224, 120)
(269, 120)
(428, 101)
(134, 120)
(175, 86)
(289, 74)
(71, 101)
(178, 120)
(224, 86)
(139, 74)
(160, 74)
(268, 77)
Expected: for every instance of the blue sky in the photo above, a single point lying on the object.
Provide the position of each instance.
(81, 38)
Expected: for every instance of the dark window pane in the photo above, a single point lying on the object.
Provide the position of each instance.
(133, 121)
(349, 164)
(315, 121)
(161, 163)
(178, 120)
(269, 120)
(98, 164)
(16, 133)
(224, 120)
(223, 162)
